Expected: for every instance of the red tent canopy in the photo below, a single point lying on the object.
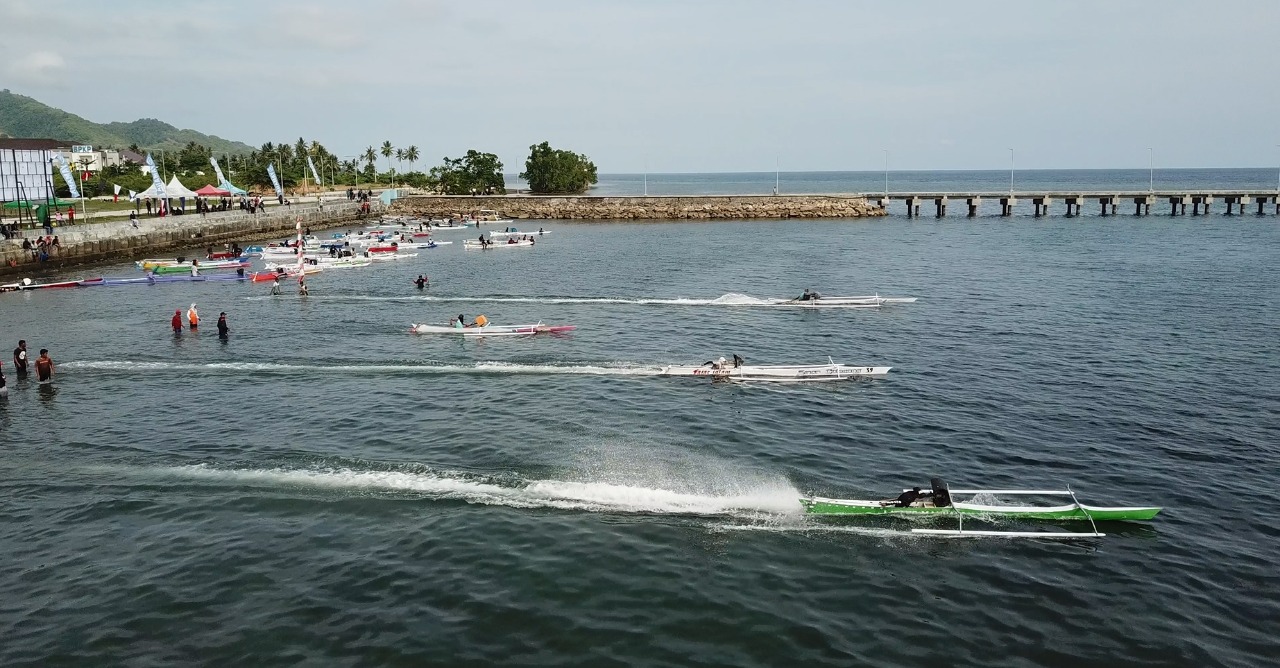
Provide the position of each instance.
(210, 191)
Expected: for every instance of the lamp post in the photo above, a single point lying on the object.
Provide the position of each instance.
(1151, 172)
(1011, 172)
(777, 174)
(886, 175)
(646, 177)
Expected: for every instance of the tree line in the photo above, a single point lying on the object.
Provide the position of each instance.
(547, 170)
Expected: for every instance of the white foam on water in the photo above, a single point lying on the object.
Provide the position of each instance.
(773, 499)
(496, 368)
(730, 299)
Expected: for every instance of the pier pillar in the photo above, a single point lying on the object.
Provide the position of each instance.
(913, 207)
(1177, 201)
(1104, 201)
(1230, 203)
(1038, 203)
(1142, 205)
(973, 203)
(1262, 201)
(940, 203)
(1006, 206)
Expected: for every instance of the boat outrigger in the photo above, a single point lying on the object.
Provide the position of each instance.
(940, 500)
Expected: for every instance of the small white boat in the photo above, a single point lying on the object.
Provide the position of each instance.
(513, 232)
(388, 257)
(776, 373)
(474, 244)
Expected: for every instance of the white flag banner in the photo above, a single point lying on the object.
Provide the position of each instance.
(271, 171)
(117, 187)
(222, 180)
(156, 183)
(66, 175)
(133, 195)
(313, 170)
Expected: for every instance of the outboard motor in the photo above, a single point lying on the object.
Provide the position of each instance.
(941, 494)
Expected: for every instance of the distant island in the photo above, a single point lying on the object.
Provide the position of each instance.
(22, 116)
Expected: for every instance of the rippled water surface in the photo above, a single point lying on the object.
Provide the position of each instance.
(327, 488)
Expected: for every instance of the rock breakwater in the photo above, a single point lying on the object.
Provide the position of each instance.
(643, 208)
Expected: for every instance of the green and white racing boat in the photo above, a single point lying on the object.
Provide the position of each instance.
(940, 501)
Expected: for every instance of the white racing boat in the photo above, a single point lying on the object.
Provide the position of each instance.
(779, 373)
(474, 244)
(492, 330)
(867, 301)
(513, 232)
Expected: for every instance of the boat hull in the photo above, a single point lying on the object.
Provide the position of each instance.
(492, 330)
(819, 506)
(780, 373)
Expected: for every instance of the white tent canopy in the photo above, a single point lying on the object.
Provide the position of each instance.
(174, 189)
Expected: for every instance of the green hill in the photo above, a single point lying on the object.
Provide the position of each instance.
(21, 116)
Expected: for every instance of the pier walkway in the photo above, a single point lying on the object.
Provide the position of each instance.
(1201, 201)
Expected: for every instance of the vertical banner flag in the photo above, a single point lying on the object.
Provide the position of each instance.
(66, 175)
(313, 170)
(156, 183)
(222, 180)
(117, 187)
(271, 171)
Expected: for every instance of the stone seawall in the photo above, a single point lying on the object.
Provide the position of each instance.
(643, 208)
(100, 242)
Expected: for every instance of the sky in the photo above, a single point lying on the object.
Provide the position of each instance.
(680, 86)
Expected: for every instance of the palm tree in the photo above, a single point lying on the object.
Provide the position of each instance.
(386, 151)
(411, 154)
(399, 159)
(369, 156)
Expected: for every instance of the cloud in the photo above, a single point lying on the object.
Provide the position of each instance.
(37, 68)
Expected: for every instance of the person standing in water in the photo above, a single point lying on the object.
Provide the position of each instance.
(176, 323)
(193, 318)
(223, 329)
(44, 367)
(275, 285)
(20, 358)
(421, 282)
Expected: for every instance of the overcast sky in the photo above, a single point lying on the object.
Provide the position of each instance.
(680, 85)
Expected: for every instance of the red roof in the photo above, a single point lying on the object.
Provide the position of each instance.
(210, 191)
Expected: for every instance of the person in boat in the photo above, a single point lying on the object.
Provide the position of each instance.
(421, 282)
(809, 295)
(738, 361)
(717, 363)
(195, 267)
(20, 358)
(44, 366)
(176, 322)
(223, 329)
(512, 240)
(481, 321)
(909, 497)
(460, 323)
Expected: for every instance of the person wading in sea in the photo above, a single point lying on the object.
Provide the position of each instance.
(176, 323)
(44, 367)
(20, 358)
(223, 329)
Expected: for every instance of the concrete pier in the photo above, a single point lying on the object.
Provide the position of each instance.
(1201, 201)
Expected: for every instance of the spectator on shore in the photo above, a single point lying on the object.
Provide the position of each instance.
(133, 218)
(71, 216)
